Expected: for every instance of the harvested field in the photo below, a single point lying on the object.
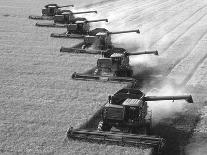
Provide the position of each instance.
(39, 101)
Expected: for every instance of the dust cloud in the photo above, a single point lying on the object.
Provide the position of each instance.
(166, 109)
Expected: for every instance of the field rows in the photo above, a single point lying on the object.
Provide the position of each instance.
(38, 99)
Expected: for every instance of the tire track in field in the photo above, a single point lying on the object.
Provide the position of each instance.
(130, 12)
(181, 6)
(199, 77)
(146, 16)
(141, 4)
(151, 23)
(196, 84)
(185, 17)
(184, 45)
(194, 115)
(183, 71)
(153, 10)
(119, 9)
(103, 2)
(176, 33)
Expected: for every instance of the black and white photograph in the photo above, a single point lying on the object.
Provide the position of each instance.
(103, 77)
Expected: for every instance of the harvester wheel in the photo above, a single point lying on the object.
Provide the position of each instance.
(148, 128)
(103, 126)
(129, 73)
(83, 46)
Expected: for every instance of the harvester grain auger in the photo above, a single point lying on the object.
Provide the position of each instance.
(98, 41)
(126, 120)
(112, 67)
(50, 11)
(64, 19)
(77, 30)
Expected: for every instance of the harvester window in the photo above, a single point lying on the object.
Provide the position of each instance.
(51, 10)
(132, 113)
(80, 26)
(117, 100)
(116, 60)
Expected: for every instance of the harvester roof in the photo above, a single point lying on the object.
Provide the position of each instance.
(66, 13)
(132, 102)
(127, 96)
(101, 34)
(130, 91)
(51, 6)
(80, 22)
(116, 55)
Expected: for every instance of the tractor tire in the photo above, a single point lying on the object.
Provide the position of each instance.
(46, 6)
(129, 73)
(103, 126)
(83, 47)
(148, 129)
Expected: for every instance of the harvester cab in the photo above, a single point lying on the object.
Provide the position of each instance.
(54, 9)
(101, 41)
(126, 111)
(68, 17)
(126, 120)
(49, 11)
(81, 26)
(64, 18)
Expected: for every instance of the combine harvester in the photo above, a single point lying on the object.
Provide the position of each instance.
(64, 19)
(126, 120)
(50, 11)
(77, 30)
(112, 67)
(98, 40)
